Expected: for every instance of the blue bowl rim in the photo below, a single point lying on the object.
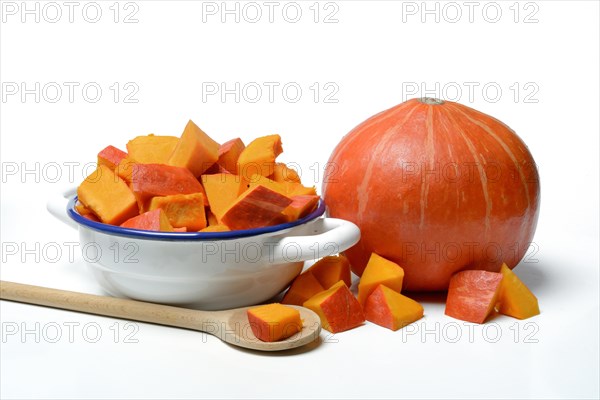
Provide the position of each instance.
(185, 236)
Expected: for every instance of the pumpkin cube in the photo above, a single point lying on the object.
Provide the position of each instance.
(297, 189)
(125, 168)
(182, 210)
(111, 157)
(152, 149)
(390, 309)
(195, 151)
(256, 208)
(301, 206)
(302, 288)
(182, 229)
(149, 180)
(155, 220)
(472, 295)
(282, 173)
(332, 269)
(86, 212)
(216, 228)
(515, 299)
(337, 308)
(229, 153)
(257, 179)
(259, 156)
(274, 322)
(108, 196)
(221, 191)
(379, 271)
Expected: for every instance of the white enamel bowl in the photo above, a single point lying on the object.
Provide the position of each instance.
(206, 270)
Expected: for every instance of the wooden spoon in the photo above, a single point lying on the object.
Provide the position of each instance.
(231, 326)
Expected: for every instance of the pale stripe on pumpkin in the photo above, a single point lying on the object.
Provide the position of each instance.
(482, 174)
(504, 147)
(363, 190)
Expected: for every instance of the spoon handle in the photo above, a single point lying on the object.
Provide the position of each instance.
(108, 306)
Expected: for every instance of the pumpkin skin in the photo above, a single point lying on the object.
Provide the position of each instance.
(436, 187)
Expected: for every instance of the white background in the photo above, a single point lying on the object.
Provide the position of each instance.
(544, 59)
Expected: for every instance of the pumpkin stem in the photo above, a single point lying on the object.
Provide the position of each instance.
(431, 101)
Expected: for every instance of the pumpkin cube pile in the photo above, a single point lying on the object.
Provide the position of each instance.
(324, 288)
(472, 296)
(191, 183)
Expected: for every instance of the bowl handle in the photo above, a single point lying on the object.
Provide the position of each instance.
(57, 206)
(330, 236)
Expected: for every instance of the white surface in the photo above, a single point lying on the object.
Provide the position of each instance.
(369, 54)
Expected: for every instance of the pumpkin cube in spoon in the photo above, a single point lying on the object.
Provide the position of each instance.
(390, 309)
(337, 308)
(379, 271)
(274, 322)
(255, 208)
(108, 196)
(195, 150)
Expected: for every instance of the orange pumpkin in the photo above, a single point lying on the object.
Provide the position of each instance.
(436, 187)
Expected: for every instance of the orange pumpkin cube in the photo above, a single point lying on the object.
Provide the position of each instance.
(229, 153)
(216, 228)
(195, 151)
(274, 322)
(337, 308)
(111, 157)
(221, 191)
(379, 271)
(282, 173)
(257, 207)
(330, 270)
(257, 179)
(108, 196)
(182, 210)
(303, 287)
(149, 180)
(301, 206)
(259, 156)
(472, 295)
(390, 309)
(297, 189)
(125, 168)
(155, 220)
(514, 298)
(152, 149)
(86, 212)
